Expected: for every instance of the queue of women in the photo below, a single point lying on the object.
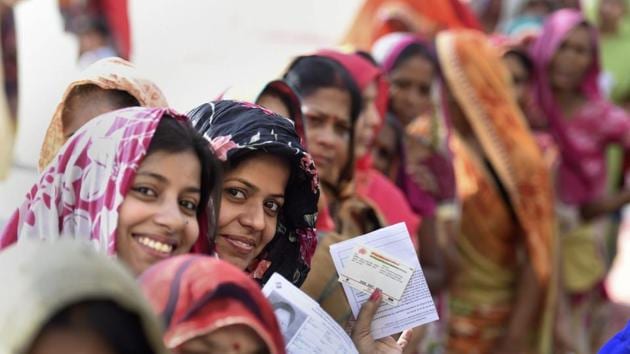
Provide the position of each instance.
(152, 231)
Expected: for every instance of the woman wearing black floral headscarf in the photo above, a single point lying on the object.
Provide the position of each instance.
(270, 190)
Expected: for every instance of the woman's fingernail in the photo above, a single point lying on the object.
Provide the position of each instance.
(375, 295)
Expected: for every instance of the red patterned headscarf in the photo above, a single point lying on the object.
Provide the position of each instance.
(196, 295)
(80, 191)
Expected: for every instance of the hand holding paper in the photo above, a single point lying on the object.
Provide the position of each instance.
(362, 334)
(415, 307)
(305, 326)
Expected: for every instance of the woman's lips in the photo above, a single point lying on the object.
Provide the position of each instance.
(242, 245)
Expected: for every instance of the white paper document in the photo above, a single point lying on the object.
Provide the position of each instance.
(368, 269)
(306, 327)
(416, 306)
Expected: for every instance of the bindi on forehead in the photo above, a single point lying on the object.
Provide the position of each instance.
(328, 101)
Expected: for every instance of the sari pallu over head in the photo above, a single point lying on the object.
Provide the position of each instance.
(108, 74)
(235, 129)
(427, 133)
(556, 28)
(80, 191)
(369, 183)
(196, 295)
(45, 278)
(377, 18)
(480, 84)
(344, 183)
(363, 72)
(282, 90)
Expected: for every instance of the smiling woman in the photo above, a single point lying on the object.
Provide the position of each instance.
(270, 190)
(134, 182)
(252, 198)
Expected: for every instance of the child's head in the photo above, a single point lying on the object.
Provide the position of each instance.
(86, 102)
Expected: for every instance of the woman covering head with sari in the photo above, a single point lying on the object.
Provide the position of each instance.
(268, 210)
(134, 183)
(281, 98)
(498, 293)
(104, 86)
(582, 121)
(377, 18)
(211, 306)
(424, 172)
(369, 183)
(63, 297)
(331, 105)
(584, 125)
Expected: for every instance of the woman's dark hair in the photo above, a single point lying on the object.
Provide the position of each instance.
(414, 50)
(122, 330)
(122, 98)
(311, 73)
(367, 56)
(119, 98)
(175, 136)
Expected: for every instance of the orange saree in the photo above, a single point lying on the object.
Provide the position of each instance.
(377, 18)
(506, 198)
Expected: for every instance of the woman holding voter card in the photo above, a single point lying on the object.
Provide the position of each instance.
(331, 104)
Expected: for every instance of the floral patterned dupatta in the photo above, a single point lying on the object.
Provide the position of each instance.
(235, 129)
(80, 191)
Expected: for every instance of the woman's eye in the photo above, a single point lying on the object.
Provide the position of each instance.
(582, 50)
(342, 130)
(145, 191)
(425, 90)
(235, 193)
(402, 84)
(272, 206)
(188, 205)
(315, 121)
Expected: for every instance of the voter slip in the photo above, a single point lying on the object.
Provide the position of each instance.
(368, 269)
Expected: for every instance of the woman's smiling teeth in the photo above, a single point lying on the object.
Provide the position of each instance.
(155, 245)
